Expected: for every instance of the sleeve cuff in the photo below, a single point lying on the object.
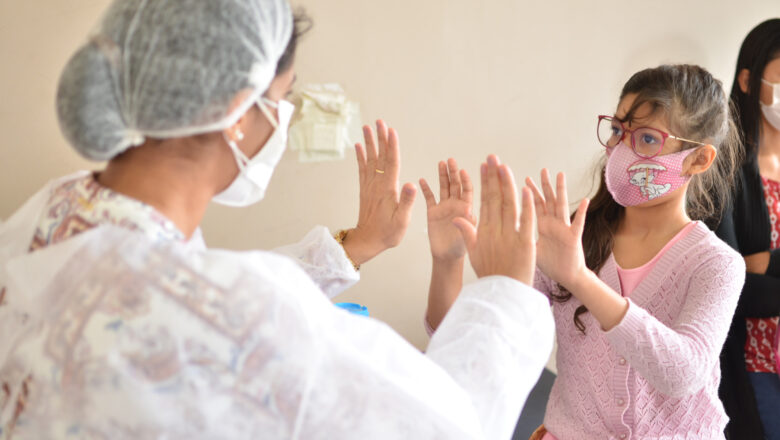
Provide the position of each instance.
(508, 298)
(627, 329)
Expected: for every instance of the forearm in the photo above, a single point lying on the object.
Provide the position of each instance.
(494, 343)
(446, 284)
(758, 263)
(759, 298)
(606, 305)
(676, 355)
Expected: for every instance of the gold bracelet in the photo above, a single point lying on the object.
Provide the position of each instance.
(339, 237)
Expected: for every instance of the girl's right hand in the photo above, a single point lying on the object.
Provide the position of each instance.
(560, 251)
(455, 200)
(503, 241)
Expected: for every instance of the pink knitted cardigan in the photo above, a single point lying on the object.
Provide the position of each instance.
(656, 374)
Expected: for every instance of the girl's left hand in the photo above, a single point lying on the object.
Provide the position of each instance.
(559, 252)
(385, 209)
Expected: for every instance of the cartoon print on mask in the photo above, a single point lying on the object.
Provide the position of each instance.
(642, 175)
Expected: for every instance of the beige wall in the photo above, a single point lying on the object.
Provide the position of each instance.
(523, 79)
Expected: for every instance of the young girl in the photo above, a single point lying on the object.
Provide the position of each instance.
(643, 292)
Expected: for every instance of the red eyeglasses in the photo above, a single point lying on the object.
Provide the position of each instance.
(647, 142)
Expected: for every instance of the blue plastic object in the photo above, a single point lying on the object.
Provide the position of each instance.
(357, 309)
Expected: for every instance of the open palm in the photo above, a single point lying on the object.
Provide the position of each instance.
(455, 200)
(559, 252)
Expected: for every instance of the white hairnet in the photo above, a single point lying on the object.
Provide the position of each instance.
(169, 68)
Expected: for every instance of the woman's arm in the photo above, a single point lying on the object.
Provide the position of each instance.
(385, 212)
(759, 298)
(492, 345)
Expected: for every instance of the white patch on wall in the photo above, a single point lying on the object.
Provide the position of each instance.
(325, 123)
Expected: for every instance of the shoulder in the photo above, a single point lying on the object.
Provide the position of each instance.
(710, 251)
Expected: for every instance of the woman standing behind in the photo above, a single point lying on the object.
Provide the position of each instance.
(750, 387)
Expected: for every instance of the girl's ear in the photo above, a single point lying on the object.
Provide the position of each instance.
(700, 160)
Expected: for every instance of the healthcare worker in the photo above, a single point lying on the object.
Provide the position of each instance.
(117, 322)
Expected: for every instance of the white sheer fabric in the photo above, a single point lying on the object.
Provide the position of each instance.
(126, 338)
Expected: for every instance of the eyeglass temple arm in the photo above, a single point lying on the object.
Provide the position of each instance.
(686, 140)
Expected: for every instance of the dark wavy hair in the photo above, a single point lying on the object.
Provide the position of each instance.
(302, 23)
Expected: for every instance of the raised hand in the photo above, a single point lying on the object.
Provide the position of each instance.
(503, 241)
(559, 250)
(385, 210)
(456, 194)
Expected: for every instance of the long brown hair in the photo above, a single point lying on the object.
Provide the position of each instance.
(698, 109)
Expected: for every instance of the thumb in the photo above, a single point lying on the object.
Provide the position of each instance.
(468, 231)
(408, 194)
(579, 217)
(403, 211)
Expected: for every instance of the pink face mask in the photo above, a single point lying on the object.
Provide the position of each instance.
(633, 180)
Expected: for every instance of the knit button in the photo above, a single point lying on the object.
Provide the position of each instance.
(622, 361)
(620, 402)
(622, 436)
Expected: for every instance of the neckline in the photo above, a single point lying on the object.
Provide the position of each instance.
(127, 211)
(769, 180)
(677, 237)
(666, 262)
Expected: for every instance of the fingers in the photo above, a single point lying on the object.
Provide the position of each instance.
(468, 188)
(371, 150)
(509, 205)
(444, 182)
(527, 216)
(493, 191)
(549, 195)
(539, 202)
(392, 157)
(430, 199)
(382, 137)
(579, 217)
(360, 153)
(562, 203)
(483, 203)
(455, 184)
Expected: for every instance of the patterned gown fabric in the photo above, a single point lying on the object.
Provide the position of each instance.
(116, 328)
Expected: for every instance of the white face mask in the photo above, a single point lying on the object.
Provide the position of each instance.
(772, 111)
(255, 173)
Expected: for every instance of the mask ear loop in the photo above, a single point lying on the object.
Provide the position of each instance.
(241, 159)
(262, 103)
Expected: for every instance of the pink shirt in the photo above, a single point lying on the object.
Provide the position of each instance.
(630, 278)
(656, 374)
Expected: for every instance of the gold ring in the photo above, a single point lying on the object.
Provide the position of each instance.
(379, 171)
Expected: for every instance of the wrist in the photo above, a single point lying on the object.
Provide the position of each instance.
(358, 248)
(580, 281)
(449, 262)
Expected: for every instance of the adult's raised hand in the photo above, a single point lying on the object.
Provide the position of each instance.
(502, 242)
(385, 207)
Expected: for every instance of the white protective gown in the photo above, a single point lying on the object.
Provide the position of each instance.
(113, 335)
